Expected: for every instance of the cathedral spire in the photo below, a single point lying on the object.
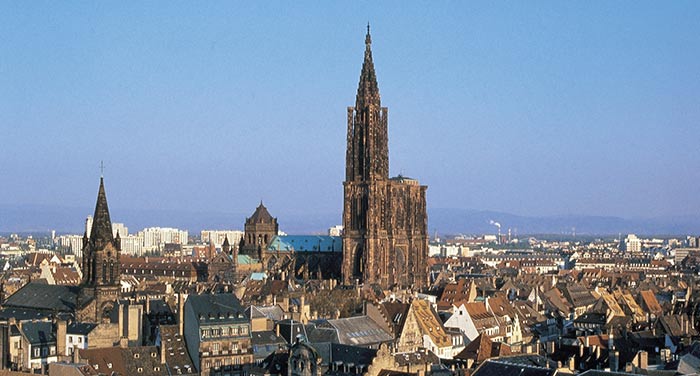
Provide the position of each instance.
(101, 224)
(368, 90)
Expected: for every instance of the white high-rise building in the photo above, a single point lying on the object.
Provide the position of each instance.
(217, 237)
(633, 244)
(119, 227)
(336, 230)
(132, 245)
(73, 243)
(88, 225)
(155, 238)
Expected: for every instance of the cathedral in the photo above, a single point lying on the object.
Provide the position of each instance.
(385, 238)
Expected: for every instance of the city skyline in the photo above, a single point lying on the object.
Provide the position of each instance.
(563, 109)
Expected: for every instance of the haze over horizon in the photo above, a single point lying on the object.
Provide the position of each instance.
(560, 109)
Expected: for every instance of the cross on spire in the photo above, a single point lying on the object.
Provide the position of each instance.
(102, 169)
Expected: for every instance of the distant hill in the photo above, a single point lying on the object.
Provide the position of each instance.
(456, 221)
(36, 218)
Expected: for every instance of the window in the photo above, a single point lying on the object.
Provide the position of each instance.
(36, 352)
(80, 339)
(70, 339)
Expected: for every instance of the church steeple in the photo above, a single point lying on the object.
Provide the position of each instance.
(367, 155)
(101, 251)
(101, 231)
(368, 90)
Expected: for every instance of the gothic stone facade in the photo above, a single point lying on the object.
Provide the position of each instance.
(260, 228)
(101, 267)
(385, 238)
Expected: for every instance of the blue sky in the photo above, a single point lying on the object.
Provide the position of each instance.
(533, 108)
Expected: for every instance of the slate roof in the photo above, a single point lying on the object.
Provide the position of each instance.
(597, 372)
(578, 295)
(274, 313)
(306, 243)
(352, 354)
(290, 329)
(265, 343)
(45, 297)
(261, 215)
(177, 357)
(322, 334)
(595, 318)
(422, 356)
(217, 308)
(497, 368)
(396, 314)
(117, 361)
(159, 307)
(82, 328)
(39, 332)
(21, 314)
(359, 331)
(266, 337)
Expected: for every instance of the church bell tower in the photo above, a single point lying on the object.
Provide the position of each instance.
(101, 268)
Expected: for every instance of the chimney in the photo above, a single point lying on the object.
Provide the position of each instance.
(76, 356)
(551, 347)
(181, 313)
(121, 320)
(162, 353)
(643, 359)
(61, 337)
(614, 361)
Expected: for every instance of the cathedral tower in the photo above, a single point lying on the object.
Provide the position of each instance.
(101, 268)
(385, 239)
